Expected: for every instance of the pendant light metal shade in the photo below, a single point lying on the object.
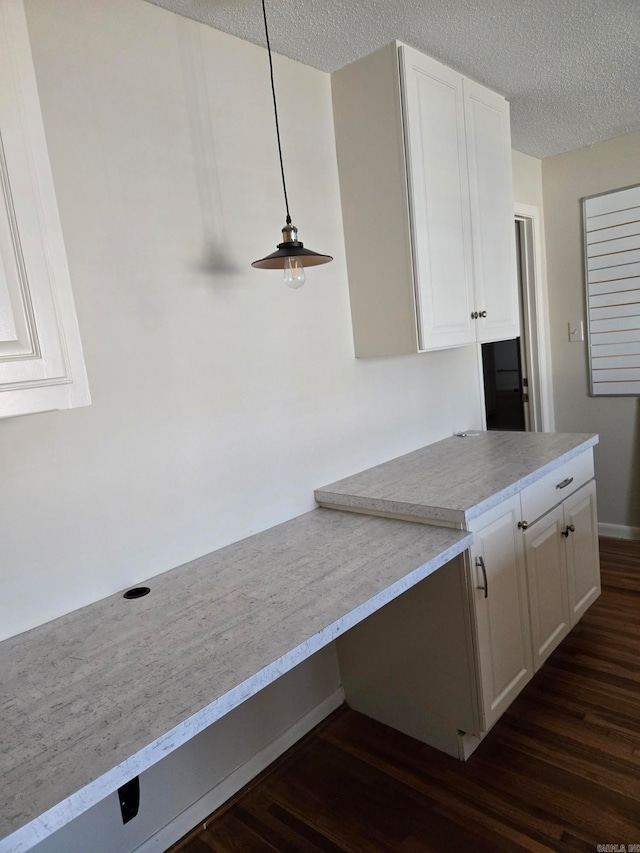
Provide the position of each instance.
(291, 252)
(291, 247)
(275, 261)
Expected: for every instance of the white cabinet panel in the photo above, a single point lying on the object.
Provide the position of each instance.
(411, 664)
(501, 612)
(41, 364)
(439, 200)
(492, 213)
(548, 590)
(583, 559)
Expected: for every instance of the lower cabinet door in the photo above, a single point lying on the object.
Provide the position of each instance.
(544, 544)
(499, 594)
(583, 559)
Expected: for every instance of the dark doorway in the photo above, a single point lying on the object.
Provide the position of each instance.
(504, 369)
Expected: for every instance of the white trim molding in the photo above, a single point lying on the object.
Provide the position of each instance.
(539, 338)
(618, 531)
(41, 361)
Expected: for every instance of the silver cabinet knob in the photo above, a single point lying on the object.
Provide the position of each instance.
(482, 314)
(523, 525)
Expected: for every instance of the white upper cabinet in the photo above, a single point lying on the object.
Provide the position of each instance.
(41, 363)
(424, 157)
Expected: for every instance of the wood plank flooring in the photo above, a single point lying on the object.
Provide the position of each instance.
(559, 772)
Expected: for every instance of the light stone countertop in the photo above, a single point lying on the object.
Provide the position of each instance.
(458, 478)
(93, 698)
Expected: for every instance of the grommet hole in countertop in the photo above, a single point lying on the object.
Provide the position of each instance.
(137, 592)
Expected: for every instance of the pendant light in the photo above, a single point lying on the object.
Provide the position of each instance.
(291, 255)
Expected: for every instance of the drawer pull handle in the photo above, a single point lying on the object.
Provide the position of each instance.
(523, 525)
(570, 528)
(480, 564)
(564, 483)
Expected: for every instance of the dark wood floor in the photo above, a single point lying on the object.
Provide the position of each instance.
(560, 771)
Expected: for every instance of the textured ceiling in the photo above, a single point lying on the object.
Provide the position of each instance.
(570, 68)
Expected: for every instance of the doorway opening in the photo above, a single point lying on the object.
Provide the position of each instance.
(511, 369)
(503, 385)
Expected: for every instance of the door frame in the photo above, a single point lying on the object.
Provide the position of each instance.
(536, 318)
(535, 331)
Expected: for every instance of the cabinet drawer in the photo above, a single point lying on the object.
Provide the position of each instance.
(554, 487)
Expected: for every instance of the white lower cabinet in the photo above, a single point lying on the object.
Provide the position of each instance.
(498, 588)
(563, 568)
(447, 658)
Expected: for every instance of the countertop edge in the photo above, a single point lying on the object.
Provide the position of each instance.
(338, 500)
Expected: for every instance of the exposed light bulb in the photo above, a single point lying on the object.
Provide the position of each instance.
(294, 274)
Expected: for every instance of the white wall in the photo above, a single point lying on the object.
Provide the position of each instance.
(220, 398)
(527, 179)
(567, 178)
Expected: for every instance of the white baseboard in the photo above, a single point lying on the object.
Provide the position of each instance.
(213, 799)
(618, 531)
(467, 744)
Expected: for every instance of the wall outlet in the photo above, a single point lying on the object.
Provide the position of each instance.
(576, 331)
(129, 796)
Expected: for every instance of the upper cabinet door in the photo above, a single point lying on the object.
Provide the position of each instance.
(434, 124)
(41, 364)
(492, 213)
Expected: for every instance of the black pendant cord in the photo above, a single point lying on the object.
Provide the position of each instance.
(275, 111)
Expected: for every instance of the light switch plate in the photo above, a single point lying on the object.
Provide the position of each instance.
(576, 331)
